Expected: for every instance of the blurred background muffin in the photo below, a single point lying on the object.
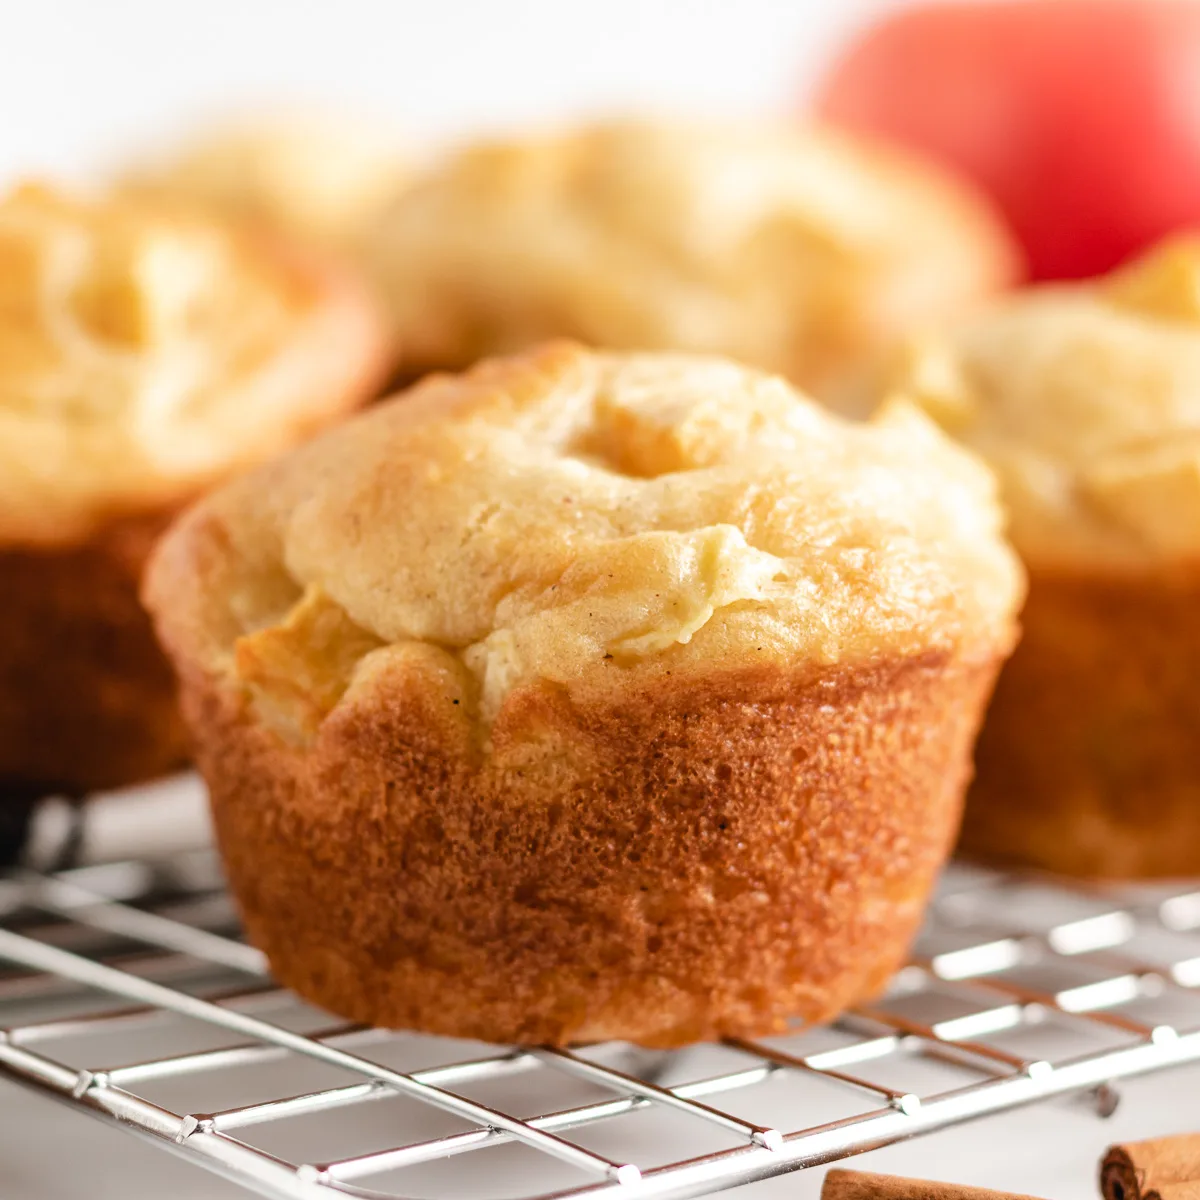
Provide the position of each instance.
(145, 351)
(798, 250)
(1085, 399)
(313, 177)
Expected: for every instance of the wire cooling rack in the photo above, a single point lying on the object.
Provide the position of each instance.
(1019, 991)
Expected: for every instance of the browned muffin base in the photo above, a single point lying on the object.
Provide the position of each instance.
(87, 699)
(709, 858)
(1089, 760)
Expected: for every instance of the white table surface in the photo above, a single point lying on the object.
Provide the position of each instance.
(48, 1153)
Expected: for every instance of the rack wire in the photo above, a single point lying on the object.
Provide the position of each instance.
(1020, 990)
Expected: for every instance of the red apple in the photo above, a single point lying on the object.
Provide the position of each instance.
(1080, 117)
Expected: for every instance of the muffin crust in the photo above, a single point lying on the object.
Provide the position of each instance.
(87, 700)
(1087, 762)
(314, 177)
(144, 352)
(590, 696)
(690, 862)
(1086, 402)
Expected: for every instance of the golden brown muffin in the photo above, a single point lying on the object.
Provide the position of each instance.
(144, 353)
(800, 251)
(313, 178)
(1086, 401)
(583, 696)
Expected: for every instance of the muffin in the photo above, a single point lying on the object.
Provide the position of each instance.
(587, 696)
(314, 178)
(144, 354)
(1086, 402)
(800, 251)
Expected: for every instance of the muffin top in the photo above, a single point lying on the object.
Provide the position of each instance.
(1085, 399)
(590, 521)
(145, 350)
(315, 178)
(796, 250)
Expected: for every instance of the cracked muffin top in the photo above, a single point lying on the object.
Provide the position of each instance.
(1085, 400)
(145, 350)
(588, 520)
(796, 250)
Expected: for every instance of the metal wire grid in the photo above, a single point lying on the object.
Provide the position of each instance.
(1020, 991)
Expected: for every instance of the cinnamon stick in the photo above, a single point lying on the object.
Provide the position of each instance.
(863, 1185)
(1159, 1169)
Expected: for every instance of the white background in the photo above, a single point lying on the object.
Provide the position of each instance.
(85, 83)
(82, 81)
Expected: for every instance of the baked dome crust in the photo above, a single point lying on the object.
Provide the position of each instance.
(314, 177)
(1085, 401)
(590, 696)
(579, 517)
(147, 350)
(801, 251)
